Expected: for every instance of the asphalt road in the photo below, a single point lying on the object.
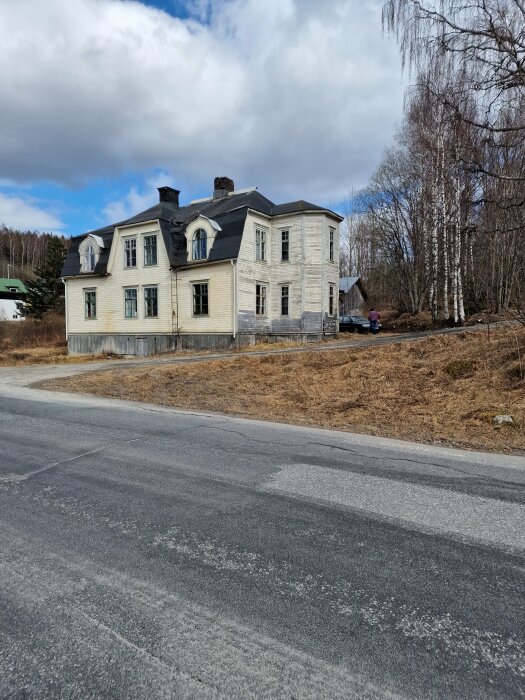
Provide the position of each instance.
(153, 553)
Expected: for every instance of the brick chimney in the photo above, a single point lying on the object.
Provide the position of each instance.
(169, 195)
(222, 186)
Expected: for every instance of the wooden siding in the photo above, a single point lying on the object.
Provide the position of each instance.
(308, 273)
(219, 277)
(110, 289)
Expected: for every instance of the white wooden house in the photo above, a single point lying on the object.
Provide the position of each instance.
(12, 292)
(228, 270)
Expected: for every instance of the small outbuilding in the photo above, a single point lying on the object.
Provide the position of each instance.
(352, 296)
(12, 291)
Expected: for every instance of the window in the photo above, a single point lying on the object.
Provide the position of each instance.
(89, 259)
(331, 298)
(199, 245)
(130, 303)
(150, 250)
(332, 235)
(130, 252)
(151, 307)
(200, 299)
(90, 304)
(88, 252)
(260, 244)
(260, 299)
(15, 290)
(285, 246)
(285, 299)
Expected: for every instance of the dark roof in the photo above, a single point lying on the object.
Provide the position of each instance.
(229, 212)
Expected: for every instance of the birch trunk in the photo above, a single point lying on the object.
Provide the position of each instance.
(459, 310)
(434, 246)
(444, 236)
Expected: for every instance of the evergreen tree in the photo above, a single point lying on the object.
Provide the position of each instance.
(44, 294)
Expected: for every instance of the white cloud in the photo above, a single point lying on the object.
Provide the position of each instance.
(22, 214)
(297, 96)
(137, 199)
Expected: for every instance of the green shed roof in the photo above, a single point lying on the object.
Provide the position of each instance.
(6, 284)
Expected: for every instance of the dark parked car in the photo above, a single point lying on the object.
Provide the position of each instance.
(354, 324)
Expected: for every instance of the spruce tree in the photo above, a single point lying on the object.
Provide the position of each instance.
(45, 292)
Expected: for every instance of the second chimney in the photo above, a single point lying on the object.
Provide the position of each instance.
(168, 194)
(222, 186)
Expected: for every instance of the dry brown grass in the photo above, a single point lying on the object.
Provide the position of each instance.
(31, 342)
(406, 390)
(30, 333)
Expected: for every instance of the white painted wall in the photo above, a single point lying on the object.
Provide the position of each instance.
(110, 289)
(220, 299)
(8, 310)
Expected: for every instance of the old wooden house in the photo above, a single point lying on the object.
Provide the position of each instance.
(352, 296)
(231, 269)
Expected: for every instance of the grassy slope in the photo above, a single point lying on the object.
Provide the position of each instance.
(445, 388)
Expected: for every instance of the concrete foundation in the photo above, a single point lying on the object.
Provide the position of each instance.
(143, 345)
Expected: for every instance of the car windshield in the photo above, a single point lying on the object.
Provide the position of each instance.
(358, 318)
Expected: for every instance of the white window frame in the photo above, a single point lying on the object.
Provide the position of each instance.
(331, 299)
(331, 244)
(136, 315)
(146, 289)
(195, 241)
(193, 297)
(132, 248)
(261, 299)
(287, 241)
(147, 248)
(261, 244)
(281, 297)
(90, 258)
(89, 253)
(88, 304)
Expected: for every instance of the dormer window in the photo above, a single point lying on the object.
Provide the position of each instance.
(89, 251)
(199, 251)
(89, 259)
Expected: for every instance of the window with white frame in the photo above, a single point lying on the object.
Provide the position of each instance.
(89, 253)
(90, 304)
(260, 299)
(89, 258)
(285, 245)
(331, 299)
(199, 249)
(260, 244)
(130, 252)
(150, 249)
(331, 244)
(130, 302)
(151, 306)
(285, 300)
(200, 298)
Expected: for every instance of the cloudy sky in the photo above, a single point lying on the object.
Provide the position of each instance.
(104, 101)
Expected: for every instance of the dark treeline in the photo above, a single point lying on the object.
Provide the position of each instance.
(23, 251)
(441, 225)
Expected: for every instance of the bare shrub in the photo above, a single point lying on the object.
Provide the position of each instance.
(30, 333)
(457, 369)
